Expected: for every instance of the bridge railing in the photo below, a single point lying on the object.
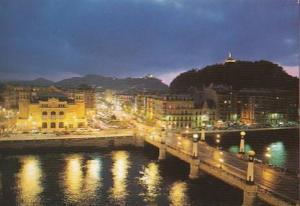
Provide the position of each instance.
(233, 166)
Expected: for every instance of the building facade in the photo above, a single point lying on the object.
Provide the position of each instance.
(89, 98)
(265, 107)
(51, 112)
(176, 111)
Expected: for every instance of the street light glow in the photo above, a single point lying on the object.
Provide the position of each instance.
(243, 133)
(268, 155)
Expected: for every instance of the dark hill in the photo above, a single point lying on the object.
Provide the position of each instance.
(91, 80)
(238, 75)
(40, 82)
(115, 83)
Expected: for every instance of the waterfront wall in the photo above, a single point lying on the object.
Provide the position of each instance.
(93, 142)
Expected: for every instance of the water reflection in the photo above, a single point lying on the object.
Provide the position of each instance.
(92, 180)
(151, 181)
(278, 154)
(178, 194)
(82, 178)
(73, 178)
(29, 181)
(120, 168)
(236, 149)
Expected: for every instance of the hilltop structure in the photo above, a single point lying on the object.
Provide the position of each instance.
(230, 59)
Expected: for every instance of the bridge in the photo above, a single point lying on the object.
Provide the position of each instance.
(271, 186)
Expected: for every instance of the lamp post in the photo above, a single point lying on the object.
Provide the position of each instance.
(242, 142)
(202, 134)
(195, 145)
(218, 140)
(221, 160)
(250, 169)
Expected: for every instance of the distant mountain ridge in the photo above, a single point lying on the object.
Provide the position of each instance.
(36, 82)
(238, 75)
(145, 83)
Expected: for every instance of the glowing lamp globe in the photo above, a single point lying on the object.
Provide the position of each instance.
(195, 137)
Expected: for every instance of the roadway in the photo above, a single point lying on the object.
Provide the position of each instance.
(266, 177)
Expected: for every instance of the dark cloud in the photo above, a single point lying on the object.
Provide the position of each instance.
(136, 37)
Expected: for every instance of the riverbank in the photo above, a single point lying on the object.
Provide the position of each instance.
(86, 141)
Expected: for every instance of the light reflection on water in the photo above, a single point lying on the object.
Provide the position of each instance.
(29, 181)
(151, 180)
(278, 154)
(277, 151)
(93, 178)
(118, 178)
(178, 194)
(73, 177)
(81, 179)
(119, 170)
(236, 149)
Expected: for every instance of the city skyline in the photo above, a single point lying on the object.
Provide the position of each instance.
(59, 40)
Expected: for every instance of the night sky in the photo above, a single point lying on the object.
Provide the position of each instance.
(56, 39)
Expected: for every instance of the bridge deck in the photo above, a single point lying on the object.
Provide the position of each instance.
(274, 187)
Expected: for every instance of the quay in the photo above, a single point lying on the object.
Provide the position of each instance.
(103, 139)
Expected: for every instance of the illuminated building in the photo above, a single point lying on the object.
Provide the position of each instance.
(230, 59)
(272, 107)
(51, 112)
(126, 100)
(140, 105)
(89, 98)
(11, 94)
(178, 111)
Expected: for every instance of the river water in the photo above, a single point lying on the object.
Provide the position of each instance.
(106, 178)
(125, 177)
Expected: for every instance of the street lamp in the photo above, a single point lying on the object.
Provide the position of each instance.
(203, 134)
(195, 145)
(218, 140)
(195, 137)
(221, 161)
(242, 142)
(250, 168)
